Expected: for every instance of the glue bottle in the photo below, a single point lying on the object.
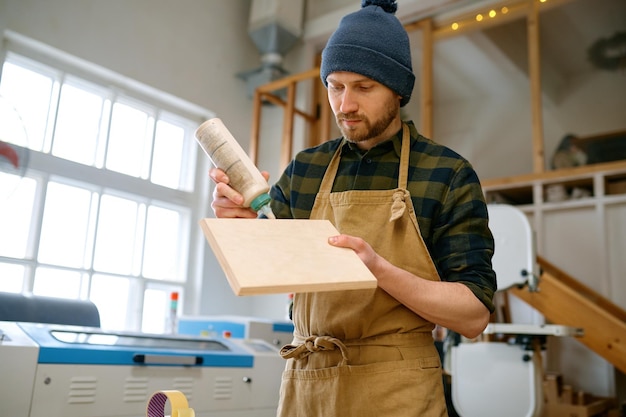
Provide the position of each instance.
(226, 153)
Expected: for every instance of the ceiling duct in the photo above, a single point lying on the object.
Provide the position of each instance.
(274, 26)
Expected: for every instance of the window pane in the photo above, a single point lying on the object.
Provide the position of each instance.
(127, 140)
(155, 311)
(65, 225)
(12, 128)
(77, 126)
(116, 235)
(16, 210)
(29, 92)
(168, 154)
(162, 244)
(52, 282)
(111, 296)
(11, 277)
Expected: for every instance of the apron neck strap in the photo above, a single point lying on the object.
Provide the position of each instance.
(333, 166)
(404, 157)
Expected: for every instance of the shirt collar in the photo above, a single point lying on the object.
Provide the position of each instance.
(394, 142)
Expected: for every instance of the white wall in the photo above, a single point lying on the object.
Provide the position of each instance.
(494, 132)
(181, 47)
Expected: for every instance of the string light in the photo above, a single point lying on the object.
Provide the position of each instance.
(480, 17)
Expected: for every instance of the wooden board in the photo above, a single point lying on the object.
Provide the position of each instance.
(281, 256)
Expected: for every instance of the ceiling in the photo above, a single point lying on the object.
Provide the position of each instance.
(497, 57)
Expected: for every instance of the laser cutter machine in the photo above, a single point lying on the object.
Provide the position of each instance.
(72, 371)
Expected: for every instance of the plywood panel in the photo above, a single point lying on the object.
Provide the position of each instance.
(281, 256)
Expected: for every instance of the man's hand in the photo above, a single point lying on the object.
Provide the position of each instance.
(364, 251)
(227, 201)
(449, 304)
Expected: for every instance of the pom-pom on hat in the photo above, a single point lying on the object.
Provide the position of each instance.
(372, 42)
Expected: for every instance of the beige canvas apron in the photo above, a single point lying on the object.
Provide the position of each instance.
(362, 353)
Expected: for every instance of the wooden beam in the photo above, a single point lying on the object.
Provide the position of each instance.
(288, 80)
(253, 149)
(534, 69)
(320, 127)
(426, 79)
(564, 174)
(325, 113)
(287, 142)
(265, 92)
(274, 99)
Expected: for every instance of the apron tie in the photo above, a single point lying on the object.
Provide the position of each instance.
(314, 344)
(398, 206)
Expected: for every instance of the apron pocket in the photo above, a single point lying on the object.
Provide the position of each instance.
(411, 388)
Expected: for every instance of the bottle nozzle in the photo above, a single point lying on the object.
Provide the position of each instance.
(267, 211)
(262, 204)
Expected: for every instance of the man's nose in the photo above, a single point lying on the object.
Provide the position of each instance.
(348, 102)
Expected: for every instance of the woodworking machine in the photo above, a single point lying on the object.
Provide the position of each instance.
(72, 371)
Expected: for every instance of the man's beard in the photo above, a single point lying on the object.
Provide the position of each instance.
(371, 130)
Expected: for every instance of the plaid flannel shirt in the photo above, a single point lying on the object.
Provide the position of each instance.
(445, 191)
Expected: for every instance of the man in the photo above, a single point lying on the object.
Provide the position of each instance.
(414, 213)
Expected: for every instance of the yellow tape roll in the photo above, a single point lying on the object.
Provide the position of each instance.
(178, 403)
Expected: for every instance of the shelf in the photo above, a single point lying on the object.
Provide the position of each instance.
(559, 186)
(615, 184)
(518, 195)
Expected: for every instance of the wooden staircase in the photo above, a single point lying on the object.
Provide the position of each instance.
(563, 300)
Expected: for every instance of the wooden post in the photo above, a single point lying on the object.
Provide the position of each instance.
(255, 130)
(325, 115)
(426, 79)
(534, 70)
(320, 128)
(287, 142)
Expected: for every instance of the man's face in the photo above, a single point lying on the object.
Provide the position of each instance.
(366, 111)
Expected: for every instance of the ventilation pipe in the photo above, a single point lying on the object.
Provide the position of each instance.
(274, 26)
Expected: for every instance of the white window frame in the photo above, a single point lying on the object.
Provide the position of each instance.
(46, 166)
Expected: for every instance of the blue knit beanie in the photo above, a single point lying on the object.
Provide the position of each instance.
(372, 42)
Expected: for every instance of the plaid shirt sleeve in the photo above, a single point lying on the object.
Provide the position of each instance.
(445, 191)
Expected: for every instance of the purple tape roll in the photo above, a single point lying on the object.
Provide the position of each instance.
(178, 403)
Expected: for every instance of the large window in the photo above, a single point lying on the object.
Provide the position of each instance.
(96, 188)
